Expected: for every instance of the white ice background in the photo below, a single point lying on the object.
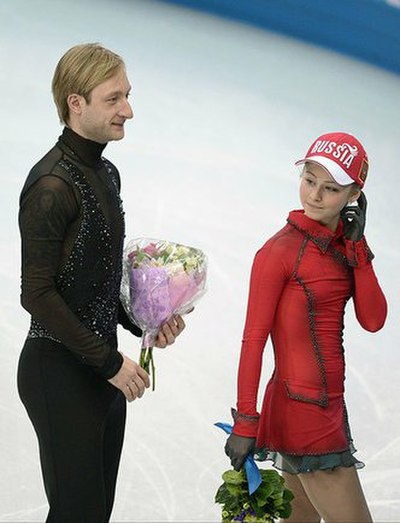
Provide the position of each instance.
(222, 111)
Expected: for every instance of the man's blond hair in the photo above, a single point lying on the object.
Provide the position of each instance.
(79, 71)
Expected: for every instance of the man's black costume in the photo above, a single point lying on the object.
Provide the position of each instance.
(72, 230)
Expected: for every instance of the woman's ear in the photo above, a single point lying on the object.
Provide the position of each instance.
(354, 195)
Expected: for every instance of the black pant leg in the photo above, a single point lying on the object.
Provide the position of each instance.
(112, 448)
(79, 419)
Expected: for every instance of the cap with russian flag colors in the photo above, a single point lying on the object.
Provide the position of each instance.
(342, 155)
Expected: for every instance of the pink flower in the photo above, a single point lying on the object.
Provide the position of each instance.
(150, 249)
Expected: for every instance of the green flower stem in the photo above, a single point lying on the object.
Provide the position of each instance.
(153, 370)
(146, 361)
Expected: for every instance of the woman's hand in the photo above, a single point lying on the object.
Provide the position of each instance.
(169, 332)
(237, 448)
(354, 219)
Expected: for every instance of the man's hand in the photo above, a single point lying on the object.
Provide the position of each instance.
(131, 379)
(169, 331)
(237, 448)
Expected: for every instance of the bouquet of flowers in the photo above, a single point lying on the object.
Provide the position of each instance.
(252, 495)
(159, 279)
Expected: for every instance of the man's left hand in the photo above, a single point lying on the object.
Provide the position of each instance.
(169, 331)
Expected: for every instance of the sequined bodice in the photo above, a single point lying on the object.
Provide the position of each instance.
(90, 280)
(72, 232)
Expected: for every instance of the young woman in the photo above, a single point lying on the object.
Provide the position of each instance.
(301, 281)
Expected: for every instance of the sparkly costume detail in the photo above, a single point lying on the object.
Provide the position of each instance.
(91, 291)
(237, 416)
(323, 399)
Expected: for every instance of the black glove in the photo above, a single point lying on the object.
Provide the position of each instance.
(238, 448)
(354, 219)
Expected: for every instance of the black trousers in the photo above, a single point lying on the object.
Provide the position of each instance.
(79, 419)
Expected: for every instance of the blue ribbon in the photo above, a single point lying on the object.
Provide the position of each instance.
(252, 471)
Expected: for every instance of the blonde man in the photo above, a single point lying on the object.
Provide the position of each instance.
(72, 379)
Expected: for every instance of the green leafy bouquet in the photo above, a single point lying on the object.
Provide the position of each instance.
(270, 501)
(252, 495)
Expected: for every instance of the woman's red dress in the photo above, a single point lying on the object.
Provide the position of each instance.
(301, 281)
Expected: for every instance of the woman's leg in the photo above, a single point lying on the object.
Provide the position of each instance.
(337, 495)
(302, 509)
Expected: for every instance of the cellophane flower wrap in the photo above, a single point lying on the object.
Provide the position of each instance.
(160, 279)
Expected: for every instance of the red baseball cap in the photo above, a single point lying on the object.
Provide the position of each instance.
(342, 155)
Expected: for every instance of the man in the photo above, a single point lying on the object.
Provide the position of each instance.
(72, 379)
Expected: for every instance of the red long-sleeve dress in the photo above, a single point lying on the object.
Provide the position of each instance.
(300, 283)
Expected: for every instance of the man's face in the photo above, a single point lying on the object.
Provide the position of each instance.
(102, 118)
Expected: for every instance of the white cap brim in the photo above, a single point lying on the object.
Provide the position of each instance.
(338, 174)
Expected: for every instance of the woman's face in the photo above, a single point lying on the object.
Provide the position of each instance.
(321, 197)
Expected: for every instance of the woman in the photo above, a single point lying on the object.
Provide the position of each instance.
(301, 281)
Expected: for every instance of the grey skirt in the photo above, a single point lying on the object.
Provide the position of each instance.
(302, 464)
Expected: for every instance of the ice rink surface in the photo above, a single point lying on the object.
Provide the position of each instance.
(222, 111)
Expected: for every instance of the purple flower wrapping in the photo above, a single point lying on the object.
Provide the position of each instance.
(150, 300)
(160, 279)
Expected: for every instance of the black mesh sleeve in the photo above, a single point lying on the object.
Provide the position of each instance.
(47, 212)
